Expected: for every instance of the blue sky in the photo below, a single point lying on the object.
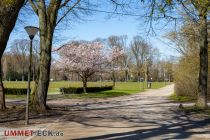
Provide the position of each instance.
(99, 26)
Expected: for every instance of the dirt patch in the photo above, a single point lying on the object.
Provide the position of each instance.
(14, 116)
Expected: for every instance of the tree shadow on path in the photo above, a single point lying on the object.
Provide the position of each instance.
(180, 130)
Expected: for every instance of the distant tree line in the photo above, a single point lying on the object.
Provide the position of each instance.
(16, 60)
(140, 61)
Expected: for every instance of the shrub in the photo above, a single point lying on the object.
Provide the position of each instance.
(13, 76)
(15, 91)
(70, 90)
(186, 77)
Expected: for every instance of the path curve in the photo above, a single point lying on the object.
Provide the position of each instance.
(147, 115)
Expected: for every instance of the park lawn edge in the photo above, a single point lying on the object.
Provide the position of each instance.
(118, 91)
(177, 98)
(197, 110)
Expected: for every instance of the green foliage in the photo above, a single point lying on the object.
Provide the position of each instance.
(15, 91)
(186, 71)
(15, 97)
(177, 98)
(13, 76)
(131, 87)
(70, 90)
(121, 89)
(7, 3)
(168, 2)
(186, 79)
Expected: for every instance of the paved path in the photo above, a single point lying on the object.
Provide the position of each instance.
(148, 115)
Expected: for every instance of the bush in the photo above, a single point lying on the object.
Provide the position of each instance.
(186, 77)
(71, 90)
(15, 91)
(13, 76)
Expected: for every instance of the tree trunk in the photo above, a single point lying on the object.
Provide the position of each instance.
(34, 72)
(202, 88)
(8, 15)
(113, 74)
(78, 77)
(23, 78)
(42, 82)
(139, 76)
(84, 80)
(113, 78)
(3, 43)
(2, 95)
(101, 78)
(146, 76)
(47, 23)
(126, 75)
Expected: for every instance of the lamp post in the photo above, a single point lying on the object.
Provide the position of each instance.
(31, 33)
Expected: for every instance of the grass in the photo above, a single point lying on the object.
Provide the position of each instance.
(177, 98)
(194, 110)
(197, 110)
(15, 96)
(121, 88)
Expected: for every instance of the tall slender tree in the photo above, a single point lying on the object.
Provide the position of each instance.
(141, 51)
(115, 42)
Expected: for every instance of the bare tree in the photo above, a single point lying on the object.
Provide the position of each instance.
(20, 48)
(141, 50)
(114, 41)
(126, 56)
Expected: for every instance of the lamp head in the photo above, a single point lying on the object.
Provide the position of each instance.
(31, 30)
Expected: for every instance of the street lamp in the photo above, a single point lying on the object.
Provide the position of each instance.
(31, 33)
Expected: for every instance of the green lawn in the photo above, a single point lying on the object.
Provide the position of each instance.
(177, 98)
(121, 88)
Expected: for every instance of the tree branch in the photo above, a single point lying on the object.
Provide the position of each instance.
(33, 6)
(64, 3)
(67, 12)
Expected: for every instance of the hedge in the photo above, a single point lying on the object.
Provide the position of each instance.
(71, 90)
(15, 91)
